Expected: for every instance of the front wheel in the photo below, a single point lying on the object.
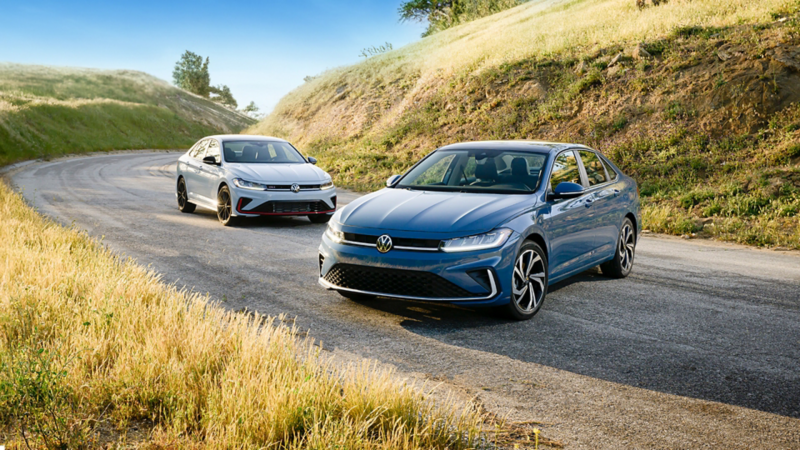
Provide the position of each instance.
(622, 264)
(225, 206)
(319, 218)
(184, 205)
(528, 282)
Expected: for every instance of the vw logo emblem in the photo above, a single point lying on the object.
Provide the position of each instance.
(295, 188)
(384, 243)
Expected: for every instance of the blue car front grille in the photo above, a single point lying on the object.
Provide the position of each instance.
(406, 283)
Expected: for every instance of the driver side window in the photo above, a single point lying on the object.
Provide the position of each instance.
(198, 150)
(565, 168)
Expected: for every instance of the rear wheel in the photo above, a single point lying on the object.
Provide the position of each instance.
(225, 206)
(319, 218)
(528, 282)
(622, 264)
(183, 198)
(356, 296)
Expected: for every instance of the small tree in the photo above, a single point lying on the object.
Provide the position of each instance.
(372, 51)
(191, 74)
(223, 95)
(251, 108)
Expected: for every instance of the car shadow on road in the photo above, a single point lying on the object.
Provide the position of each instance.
(589, 324)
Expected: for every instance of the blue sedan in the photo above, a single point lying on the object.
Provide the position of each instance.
(485, 224)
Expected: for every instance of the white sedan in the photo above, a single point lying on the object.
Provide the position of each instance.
(249, 176)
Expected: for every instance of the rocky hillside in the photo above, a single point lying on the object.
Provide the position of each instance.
(697, 100)
(46, 111)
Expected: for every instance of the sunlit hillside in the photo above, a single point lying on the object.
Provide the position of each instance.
(47, 111)
(697, 99)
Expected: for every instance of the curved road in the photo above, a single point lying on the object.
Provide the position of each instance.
(700, 345)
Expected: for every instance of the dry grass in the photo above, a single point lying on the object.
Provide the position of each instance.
(535, 29)
(92, 346)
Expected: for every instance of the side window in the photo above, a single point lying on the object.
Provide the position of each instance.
(611, 172)
(198, 150)
(595, 171)
(213, 150)
(565, 168)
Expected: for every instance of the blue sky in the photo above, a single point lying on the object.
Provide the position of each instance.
(261, 50)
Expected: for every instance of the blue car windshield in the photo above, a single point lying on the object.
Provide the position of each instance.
(261, 152)
(503, 171)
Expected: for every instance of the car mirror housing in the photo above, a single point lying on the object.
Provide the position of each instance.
(392, 180)
(567, 189)
(312, 160)
(210, 160)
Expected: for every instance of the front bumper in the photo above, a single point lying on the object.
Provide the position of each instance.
(478, 278)
(251, 203)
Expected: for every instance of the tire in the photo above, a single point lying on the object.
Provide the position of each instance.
(319, 218)
(225, 207)
(356, 296)
(528, 282)
(622, 264)
(183, 198)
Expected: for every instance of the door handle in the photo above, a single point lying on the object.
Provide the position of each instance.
(616, 192)
(588, 202)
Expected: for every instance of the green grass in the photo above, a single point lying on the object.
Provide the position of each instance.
(713, 143)
(46, 111)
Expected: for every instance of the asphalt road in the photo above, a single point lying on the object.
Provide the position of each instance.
(706, 321)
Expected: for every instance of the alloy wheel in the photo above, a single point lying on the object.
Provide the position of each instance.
(224, 205)
(627, 245)
(529, 281)
(182, 195)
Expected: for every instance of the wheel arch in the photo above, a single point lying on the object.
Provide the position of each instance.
(540, 241)
(634, 221)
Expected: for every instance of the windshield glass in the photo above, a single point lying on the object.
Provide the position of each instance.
(261, 152)
(477, 171)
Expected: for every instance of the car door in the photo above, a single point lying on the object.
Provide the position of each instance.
(191, 170)
(566, 224)
(602, 214)
(209, 173)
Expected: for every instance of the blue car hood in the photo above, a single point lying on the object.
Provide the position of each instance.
(443, 212)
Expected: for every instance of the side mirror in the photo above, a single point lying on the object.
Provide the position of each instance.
(392, 180)
(312, 160)
(566, 189)
(210, 160)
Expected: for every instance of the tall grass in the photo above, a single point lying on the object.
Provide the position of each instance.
(92, 345)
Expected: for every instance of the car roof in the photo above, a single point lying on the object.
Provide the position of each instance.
(244, 137)
(532, 146)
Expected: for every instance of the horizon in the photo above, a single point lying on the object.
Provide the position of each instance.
(86, 34)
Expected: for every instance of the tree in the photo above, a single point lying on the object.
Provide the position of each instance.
(443, 14)
(223, 95)
(191, 74)
(251, 108)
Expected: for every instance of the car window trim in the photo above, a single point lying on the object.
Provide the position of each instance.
(588, 186)
(603, 185)
(584, 179)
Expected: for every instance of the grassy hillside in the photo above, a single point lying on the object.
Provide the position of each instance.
(709, 123)
(46, 111)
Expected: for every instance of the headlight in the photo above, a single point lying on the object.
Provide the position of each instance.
(334, 235)
(492, 239)
(326, 185)
(244, 184)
